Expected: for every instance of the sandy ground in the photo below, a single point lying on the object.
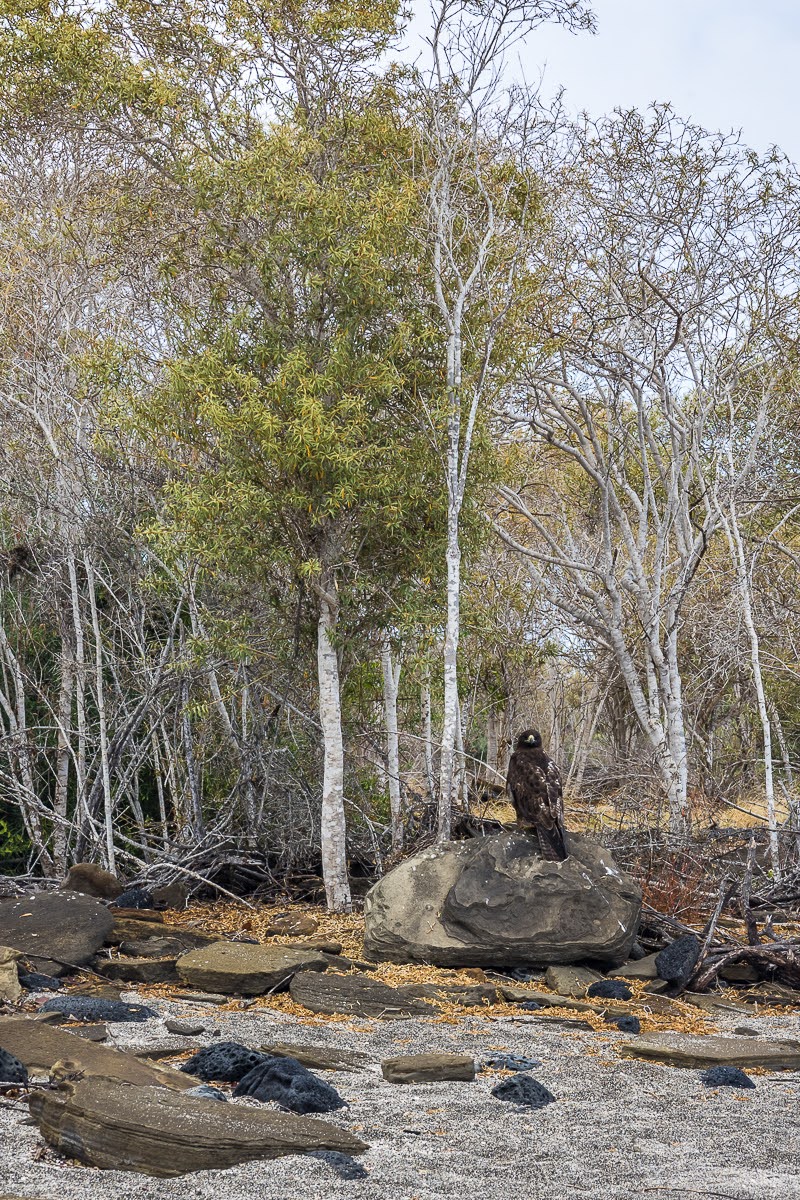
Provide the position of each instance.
(620, 1128)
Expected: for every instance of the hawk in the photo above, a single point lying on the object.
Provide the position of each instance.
(535, 787)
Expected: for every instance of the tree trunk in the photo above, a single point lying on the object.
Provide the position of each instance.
(743, 577)
(333, 832)
(427, 734)
(101, 714)
(391, 681)
(451, 714)
(81, 811)
(63, 748)
(195, 806)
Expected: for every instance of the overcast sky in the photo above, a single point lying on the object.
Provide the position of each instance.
(725, 63)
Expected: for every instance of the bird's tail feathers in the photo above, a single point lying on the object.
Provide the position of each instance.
(551, 843)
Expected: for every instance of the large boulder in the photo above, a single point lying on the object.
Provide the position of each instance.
(494, 901)
(55, 931)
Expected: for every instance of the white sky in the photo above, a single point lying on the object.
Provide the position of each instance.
(727, 64)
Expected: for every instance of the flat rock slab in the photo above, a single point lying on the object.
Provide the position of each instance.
(642, 968)
(548, 1000)
(128, 929)
(241, 968)
(39, 1046)
(319, 1058)
(355, 994)
(117, 1126)
(428, 1068)
(691, 1050)
(55, 931)
(477, 995)
(571, 981)
(150, 916)
(138, 970)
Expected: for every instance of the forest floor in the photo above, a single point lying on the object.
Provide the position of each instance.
(619, 1128)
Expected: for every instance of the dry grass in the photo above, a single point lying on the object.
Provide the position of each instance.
(229, 919)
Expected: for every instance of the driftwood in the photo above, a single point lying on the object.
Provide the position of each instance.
(783, 957)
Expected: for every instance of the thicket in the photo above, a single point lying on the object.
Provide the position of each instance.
(356, 414)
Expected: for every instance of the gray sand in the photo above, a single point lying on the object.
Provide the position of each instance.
(620, 1128)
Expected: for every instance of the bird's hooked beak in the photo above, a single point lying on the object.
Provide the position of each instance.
(531, 739)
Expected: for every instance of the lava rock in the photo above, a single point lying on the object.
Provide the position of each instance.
(523, 1089)
(676, 963)
(524, 974)
(226, 1061)
(510, 1062)
(726, 1077)
(610, 989)
(135, 897)
(11, 1069)
(628, 1025)
(206, 1092)
(344, 1165)
(291, 1085)
(92, 1008)
(33, 981)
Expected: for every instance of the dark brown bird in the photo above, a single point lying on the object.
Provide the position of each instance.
(535, 787)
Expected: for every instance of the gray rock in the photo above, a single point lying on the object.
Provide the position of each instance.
(245, 969)
(571, 981)
(38, 1045)
(642, 968)
(138, 970)
(493, 901)
(696, 1050)
(156, 947)
(157, 1132)
(428, 1068)
(321, 1058)
(55, 931)
(186, 1028)
(356, 994)
(10, 983)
